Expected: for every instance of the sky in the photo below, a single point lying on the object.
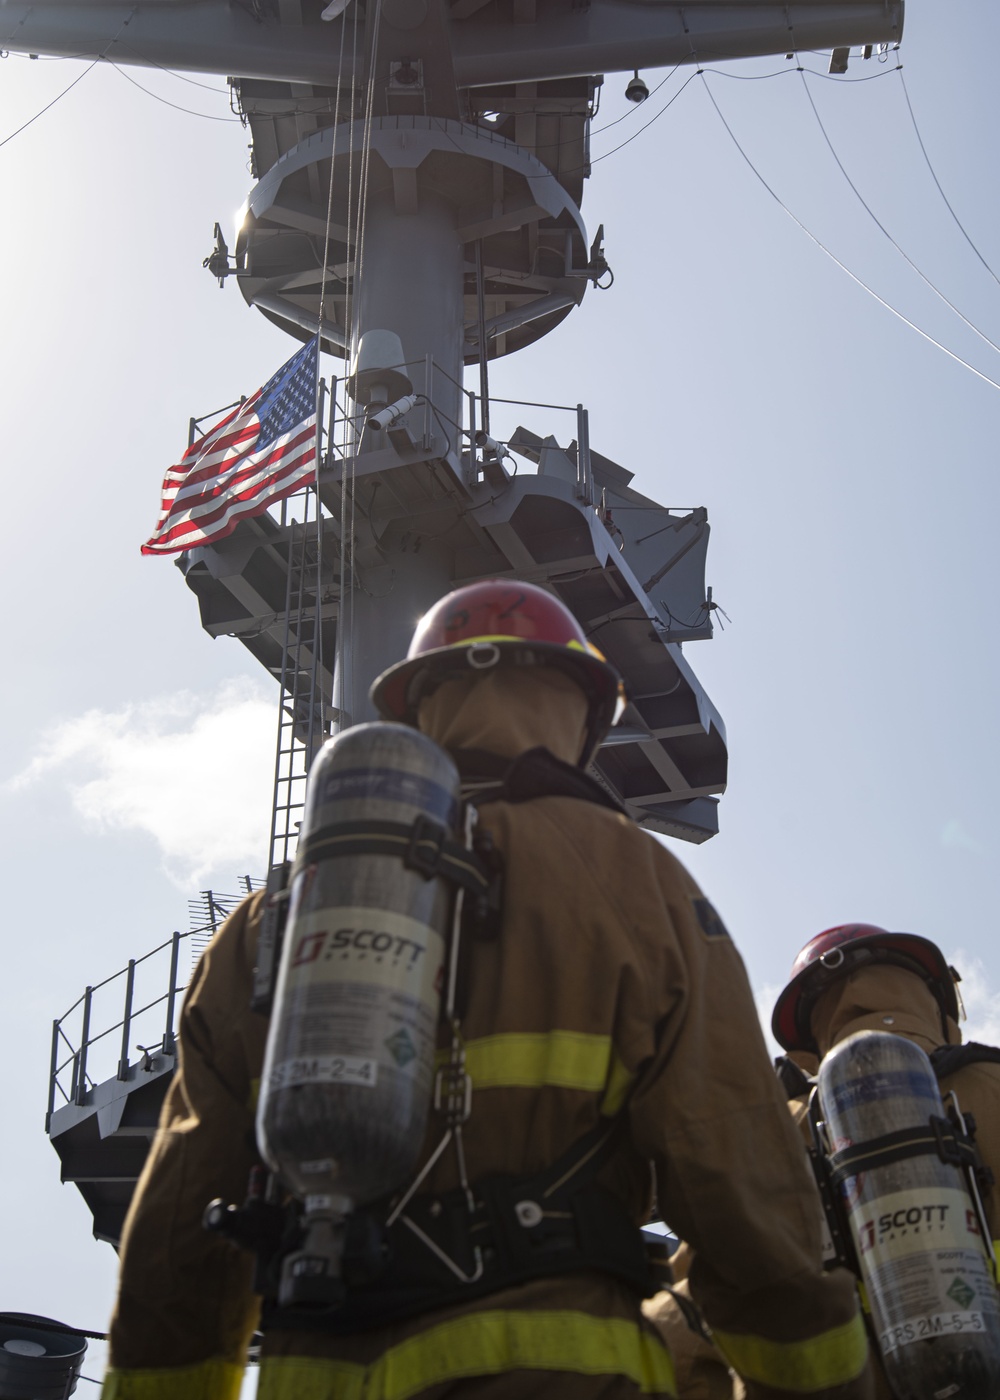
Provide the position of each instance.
(849, 468)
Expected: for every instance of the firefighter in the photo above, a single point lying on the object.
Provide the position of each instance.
(857, 977)
(611, 1006)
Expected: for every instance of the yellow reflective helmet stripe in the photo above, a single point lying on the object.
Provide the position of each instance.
(208, 1380)
(556, 1059)
(829, 1359)
(481, 1344)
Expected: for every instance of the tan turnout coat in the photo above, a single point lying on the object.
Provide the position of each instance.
(875, 998)
(612, 982)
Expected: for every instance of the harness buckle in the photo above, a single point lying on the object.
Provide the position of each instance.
(453, 1092)
(427, 838)
(949, 1146)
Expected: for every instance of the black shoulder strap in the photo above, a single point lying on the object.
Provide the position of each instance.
(423, 845)
(948, 1059)
(792, 1078)
(536, 773)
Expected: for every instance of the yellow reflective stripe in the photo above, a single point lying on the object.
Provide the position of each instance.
(529, 1060)
(481, 1344)
(832, 1358)
(619, 1083)
(254, 1094)
(556, 1059)
(209, 1380)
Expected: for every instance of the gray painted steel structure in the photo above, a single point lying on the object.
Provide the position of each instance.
(514, 41)
(473, 231)
(474, 175)
(473, 242)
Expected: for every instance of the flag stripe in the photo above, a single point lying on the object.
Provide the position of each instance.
(259, 453)
(235, 512)
(243, 474)
(207, 513)
(203, 519)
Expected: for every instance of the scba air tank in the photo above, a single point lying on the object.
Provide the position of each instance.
(923, 1260)
(349, 1068)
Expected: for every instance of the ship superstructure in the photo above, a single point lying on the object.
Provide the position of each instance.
(419, 174)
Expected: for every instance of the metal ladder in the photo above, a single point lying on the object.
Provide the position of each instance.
(303, 714)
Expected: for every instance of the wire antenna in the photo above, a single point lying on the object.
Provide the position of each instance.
(882, 228)
(920, 140)
(925, 335)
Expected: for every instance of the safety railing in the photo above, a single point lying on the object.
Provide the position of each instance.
(473, 440)
(93, 1041)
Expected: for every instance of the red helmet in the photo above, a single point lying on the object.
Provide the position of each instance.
(839, 951)
(501, 622)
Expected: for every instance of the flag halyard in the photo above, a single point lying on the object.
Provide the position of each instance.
(258, 454)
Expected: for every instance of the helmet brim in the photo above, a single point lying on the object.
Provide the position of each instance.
(398, 691)
(792, 1010)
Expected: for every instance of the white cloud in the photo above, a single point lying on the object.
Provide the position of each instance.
(955, 837)
(194, 772)
(981, 998)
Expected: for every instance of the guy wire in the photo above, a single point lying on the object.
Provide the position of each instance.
(316, 688)
(833, 257)
(359, 267)
(961, 227)
(346, 538)
(882, 228)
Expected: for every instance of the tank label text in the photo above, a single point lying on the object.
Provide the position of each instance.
(909, 1222)
(360, 989)
(915, 1329)
(325, 1069)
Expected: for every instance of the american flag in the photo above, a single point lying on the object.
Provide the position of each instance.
(262, 451)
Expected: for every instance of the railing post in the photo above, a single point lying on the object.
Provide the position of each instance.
(81, 1073)
(168, 1034)
(471, 396)
(127, 1022)
(53, 1066)
(584, 474)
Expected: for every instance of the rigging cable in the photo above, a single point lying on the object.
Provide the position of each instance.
(152, 63)
(833, 257)
(937, 182)
(359, 263)
(206, 116)
(343, 649)
(317, 646)
(79, 77)
(659, 114)
(882, 228)
(633, 110)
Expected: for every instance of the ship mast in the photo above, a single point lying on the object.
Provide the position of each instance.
(419, 176)
(420, 170)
